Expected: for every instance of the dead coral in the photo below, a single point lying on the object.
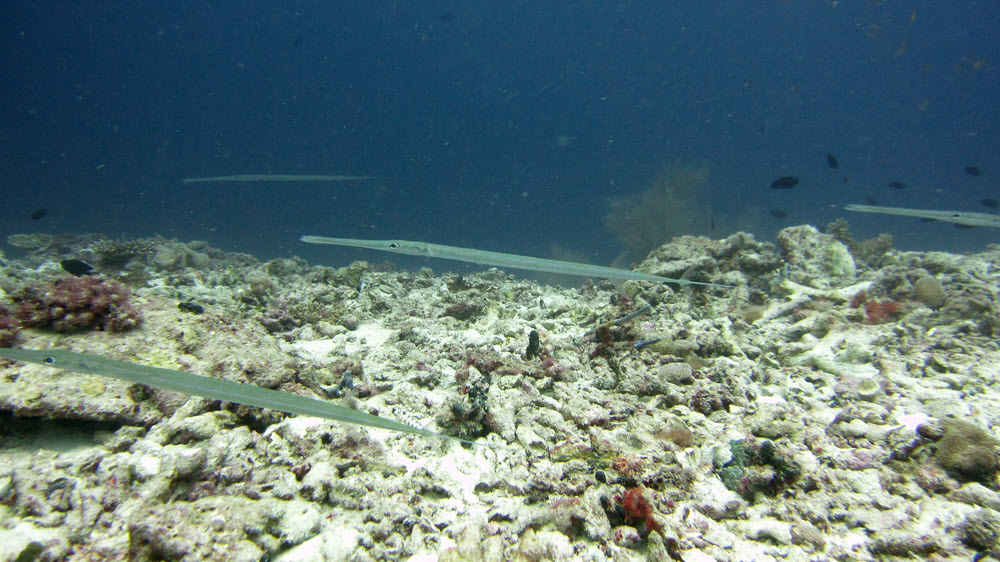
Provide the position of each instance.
(9, 327)
(173, 255)
(868, 252)
(698, 258)
(50, 244)
(463, 311)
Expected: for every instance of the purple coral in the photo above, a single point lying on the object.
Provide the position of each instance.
(77, 304)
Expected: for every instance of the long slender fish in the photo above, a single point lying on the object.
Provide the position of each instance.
(275, 177)
(498, 259)
(957, 217)
(208, 387)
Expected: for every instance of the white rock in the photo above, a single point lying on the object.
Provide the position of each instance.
(769, 529)
(334, 544)
(712, 498)
(146, 466)
(863, 481)
(318, 351)
(695, 555)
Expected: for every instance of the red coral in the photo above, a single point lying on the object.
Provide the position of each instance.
(77, 303)
(637, 509)
(880, 312)
(858, 299)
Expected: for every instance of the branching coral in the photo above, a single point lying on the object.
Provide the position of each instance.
(76, 304)
(117, 252)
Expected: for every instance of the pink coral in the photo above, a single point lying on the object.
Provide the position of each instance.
(76, 304)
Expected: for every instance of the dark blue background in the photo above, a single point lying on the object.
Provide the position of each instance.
(459, 107)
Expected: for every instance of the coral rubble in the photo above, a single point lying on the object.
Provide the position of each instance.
(830, 406)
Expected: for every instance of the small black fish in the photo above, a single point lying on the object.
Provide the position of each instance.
(990, 203)
(639, 344)
(778, 213)
(534, 347)
(871, 200)
(785, 182)
(896, 184)
(77, 267)
(973, 170)
(832, 161)
(38, 213)
(965, 226)
(927, 219)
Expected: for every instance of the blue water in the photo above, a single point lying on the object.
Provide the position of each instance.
(498, 125)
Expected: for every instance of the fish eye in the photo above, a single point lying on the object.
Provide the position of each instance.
(393, 245)
(49, 360)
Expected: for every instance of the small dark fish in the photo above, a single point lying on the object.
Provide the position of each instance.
(38, 213)
(447, 17)
(965, 226)
(534, 347)
(990, 203)
(778, 213)
(832, 161)
(639, 344)
(871, 200)
(896, 184)
(785, 182)
(927, 219)
(973, 170)
(77, 267)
